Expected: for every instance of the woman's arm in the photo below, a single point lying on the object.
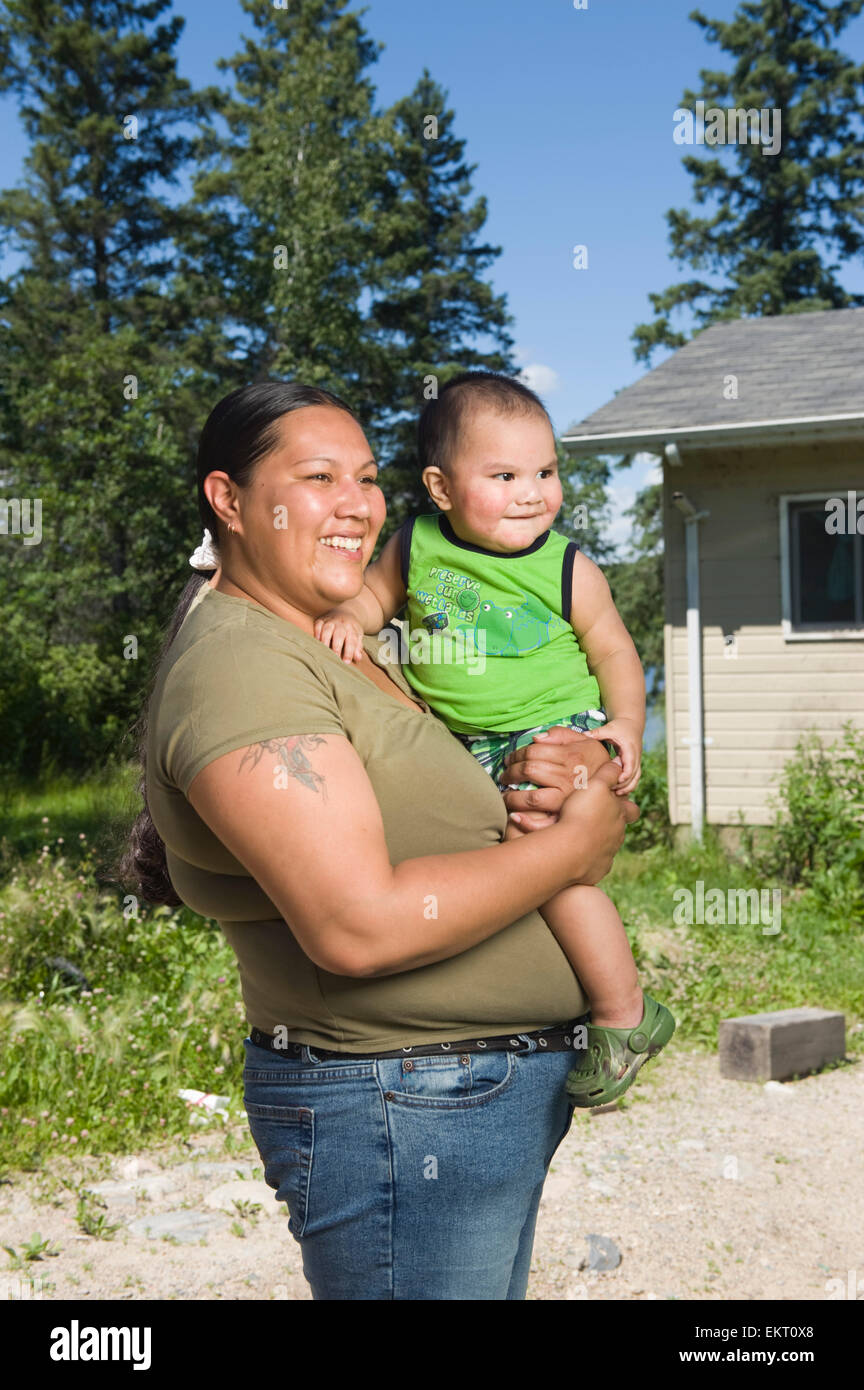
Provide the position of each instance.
(301, 815)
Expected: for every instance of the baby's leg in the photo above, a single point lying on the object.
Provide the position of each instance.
(592, 936)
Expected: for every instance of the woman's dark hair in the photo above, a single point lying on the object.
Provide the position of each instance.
(443, 419)
(239, 432)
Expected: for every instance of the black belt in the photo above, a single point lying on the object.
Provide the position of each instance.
(564, 1037)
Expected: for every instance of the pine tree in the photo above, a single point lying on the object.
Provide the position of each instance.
(778, 217)
(431, 301)
(281, 235)
(92, 424)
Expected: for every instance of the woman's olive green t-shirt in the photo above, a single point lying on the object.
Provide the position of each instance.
(237, 674)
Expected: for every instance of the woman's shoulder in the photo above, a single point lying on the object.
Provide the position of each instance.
(221, 627)
(235, 675)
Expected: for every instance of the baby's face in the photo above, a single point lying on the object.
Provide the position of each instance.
(503, 481)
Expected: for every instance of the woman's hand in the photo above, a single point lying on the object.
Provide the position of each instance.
(594, 816)
(559, 761)
(342, 633)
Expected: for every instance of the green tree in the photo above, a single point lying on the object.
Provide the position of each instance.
(432, 306)
(778, 217)
(92, 388)
(585, 513)
(637, 581)
(282, 235)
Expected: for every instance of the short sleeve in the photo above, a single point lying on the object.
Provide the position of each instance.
(235, 687)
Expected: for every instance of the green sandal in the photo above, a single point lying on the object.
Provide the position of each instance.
(614, 1056)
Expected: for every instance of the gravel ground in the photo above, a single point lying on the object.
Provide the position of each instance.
(694, 1188)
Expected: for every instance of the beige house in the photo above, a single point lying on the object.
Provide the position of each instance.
(759, 424)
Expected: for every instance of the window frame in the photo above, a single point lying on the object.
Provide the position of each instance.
(816, 632)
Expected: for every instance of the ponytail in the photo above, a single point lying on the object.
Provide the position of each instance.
(143, 867)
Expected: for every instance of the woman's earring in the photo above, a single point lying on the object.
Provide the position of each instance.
(231, 528)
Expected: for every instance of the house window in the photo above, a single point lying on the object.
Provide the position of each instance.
(822, 562)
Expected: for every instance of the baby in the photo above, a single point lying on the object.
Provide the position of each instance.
(535, 642)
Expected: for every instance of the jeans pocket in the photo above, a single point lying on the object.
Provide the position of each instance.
(461, 1081)
(284, 1136)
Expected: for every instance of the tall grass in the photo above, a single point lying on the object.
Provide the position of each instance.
(105, 1015)
(705, 973)
(105, 1011)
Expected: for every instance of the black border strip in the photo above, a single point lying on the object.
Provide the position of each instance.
(567, 579)
(450, 535)
(405, 534)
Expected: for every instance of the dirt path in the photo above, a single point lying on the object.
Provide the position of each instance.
(707, 1189)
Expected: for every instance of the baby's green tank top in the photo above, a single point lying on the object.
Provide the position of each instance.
(489, 643)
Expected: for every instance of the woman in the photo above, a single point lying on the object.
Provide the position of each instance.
(395, 1079)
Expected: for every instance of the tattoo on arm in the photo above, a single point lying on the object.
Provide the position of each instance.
(292, 754)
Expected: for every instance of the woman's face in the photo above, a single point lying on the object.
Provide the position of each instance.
(310, 517)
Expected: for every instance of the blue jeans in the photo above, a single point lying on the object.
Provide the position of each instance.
(410, 1178)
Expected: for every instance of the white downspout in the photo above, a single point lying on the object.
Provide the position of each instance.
(694, 664)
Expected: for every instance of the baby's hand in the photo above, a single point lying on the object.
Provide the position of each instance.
(342, 633)
(626, 737)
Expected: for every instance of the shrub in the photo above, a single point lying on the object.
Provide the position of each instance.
(652, 797)
(818, 829)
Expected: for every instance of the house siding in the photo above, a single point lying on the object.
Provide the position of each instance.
(757, 705)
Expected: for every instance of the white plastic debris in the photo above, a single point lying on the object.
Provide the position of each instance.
(207, 1101)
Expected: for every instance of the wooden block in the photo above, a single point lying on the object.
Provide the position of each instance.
(773, 1047)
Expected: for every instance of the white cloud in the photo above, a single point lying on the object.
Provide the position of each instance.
(539, 378)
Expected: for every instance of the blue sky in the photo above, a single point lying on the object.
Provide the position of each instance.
(568, 115)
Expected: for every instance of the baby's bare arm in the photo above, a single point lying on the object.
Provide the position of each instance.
(381, 597)
(614, 662)
(612, 656)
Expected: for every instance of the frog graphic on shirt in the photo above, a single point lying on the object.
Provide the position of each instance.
(514, 630)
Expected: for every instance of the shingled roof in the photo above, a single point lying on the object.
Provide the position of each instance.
(799, 376)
